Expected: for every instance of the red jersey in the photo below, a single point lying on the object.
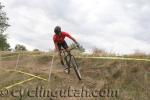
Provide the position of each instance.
(61, 38)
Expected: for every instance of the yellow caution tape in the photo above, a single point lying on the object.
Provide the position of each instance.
(31, 75)
(19, 83)
(116, 58)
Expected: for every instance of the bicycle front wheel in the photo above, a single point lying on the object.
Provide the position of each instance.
(75, 66)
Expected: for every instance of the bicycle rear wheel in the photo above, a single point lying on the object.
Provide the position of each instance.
(75, 66)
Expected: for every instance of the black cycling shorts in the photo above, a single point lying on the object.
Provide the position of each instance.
(62, 45)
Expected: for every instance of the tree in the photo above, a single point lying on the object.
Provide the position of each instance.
(19, 47)
(36, 50)
(4, 46)
(3, 26)
(3, 20)
(98, 51)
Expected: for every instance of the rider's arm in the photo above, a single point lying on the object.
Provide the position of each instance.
(73, 39)
(69, 36)
(77, 44)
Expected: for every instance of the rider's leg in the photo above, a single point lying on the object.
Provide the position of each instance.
(59, 53)
(63, 65)
(67, 50)
(65, 46)
(61, 59)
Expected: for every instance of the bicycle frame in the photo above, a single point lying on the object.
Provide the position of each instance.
(69, 59)
(67, 53)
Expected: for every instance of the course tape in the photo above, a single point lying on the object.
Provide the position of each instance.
(19, 83)
(116, 58)
(113, 58)
(31, 75)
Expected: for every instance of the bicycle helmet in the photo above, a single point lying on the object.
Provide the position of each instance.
(57, 30)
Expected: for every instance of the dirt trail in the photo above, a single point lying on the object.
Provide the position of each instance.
(71, 79)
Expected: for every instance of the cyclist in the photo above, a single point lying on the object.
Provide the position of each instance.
(59, 41)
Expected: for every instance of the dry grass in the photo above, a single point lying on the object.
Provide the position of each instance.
(130, 77)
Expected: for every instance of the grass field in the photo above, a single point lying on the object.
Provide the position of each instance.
(129, 78)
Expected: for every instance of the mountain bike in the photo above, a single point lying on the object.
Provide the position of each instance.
(70, 61)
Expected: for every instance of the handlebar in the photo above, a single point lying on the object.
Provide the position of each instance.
(69, 48)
